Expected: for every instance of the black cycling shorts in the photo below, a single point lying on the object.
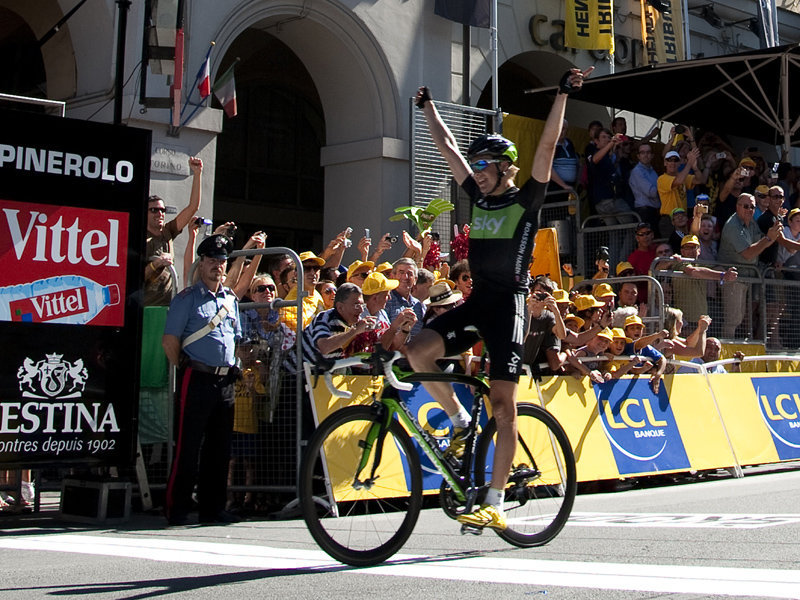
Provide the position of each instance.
(500, 318)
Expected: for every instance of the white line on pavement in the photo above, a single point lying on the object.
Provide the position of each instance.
(611, 576)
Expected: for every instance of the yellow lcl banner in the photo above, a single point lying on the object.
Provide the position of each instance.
(589, 25)
(662, 34)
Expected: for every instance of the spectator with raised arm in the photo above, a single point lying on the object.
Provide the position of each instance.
(741, 243)
(159, 249)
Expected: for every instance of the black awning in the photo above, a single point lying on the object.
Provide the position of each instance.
(752, 94)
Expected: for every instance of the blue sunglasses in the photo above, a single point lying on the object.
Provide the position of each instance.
(480, 165)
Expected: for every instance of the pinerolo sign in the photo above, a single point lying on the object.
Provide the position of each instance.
(73, 197)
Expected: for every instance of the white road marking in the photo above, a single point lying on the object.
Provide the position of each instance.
(681, 520)
(610, 576)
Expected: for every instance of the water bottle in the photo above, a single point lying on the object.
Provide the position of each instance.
(68, 299)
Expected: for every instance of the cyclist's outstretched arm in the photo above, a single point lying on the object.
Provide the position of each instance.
(442, 136)
(543, 159)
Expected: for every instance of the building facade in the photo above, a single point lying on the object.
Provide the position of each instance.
(321, 141)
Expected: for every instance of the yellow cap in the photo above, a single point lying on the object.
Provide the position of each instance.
(624, 266)
(304, 256)
(583, 302)
(606, 334)
(561, 296)
(689, 239)
(356, 265)
(377, 282)
(633, 320)
(619, 334)
(601, 290)
(575, 318)
(383, 267)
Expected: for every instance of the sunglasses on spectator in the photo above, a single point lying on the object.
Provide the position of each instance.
(673, 159)
(480, 165)
(363, 275)
(776, 195)
(311, 267)
(644, 233)
(466, 277)
(157, 209)
(260, 289)
(761, 195)
(329, 291)
(747, 206)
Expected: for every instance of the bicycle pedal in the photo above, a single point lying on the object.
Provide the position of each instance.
(471, 529)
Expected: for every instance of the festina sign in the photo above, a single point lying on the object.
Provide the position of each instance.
(72, 222)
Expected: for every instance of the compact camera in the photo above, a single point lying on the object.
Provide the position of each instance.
(602, 254)
(391, 238)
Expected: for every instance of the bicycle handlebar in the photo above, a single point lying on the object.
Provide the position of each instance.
(353, 361)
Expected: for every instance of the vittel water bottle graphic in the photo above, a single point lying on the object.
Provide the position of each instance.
(68, 299)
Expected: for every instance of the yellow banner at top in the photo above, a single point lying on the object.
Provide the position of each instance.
(662, 34)
(589, 25)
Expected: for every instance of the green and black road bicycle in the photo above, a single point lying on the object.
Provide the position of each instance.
(361, 478)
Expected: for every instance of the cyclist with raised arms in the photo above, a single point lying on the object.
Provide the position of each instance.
(504, 224)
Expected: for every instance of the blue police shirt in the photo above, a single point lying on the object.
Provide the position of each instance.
(191, 310)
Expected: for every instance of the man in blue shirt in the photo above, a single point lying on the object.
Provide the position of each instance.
(404, 270)
(644, 185)
(200, 338)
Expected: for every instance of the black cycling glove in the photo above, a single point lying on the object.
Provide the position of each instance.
(426, 95)
(564, 86)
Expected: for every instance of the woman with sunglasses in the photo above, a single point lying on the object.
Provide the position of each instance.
(504, 224)
(462, 277)
(327, 289)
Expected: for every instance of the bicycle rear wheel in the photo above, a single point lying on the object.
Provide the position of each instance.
(543, 481)
(362, 519)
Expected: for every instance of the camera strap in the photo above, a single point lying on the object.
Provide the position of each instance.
(227, 306)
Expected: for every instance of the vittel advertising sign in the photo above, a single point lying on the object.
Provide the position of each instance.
(640, 426)
(70, 264)
(72, 203)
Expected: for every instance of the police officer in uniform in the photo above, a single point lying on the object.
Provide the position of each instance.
(200, 337)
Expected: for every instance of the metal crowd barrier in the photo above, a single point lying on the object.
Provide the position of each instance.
(696, 297)
(620, 239)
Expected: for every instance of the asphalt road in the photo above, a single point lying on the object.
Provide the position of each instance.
(713, 539)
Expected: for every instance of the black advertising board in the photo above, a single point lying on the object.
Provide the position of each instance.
(72, 222)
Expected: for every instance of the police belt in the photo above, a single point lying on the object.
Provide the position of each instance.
(204, 368)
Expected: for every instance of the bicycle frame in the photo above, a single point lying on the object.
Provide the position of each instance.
(459, 482)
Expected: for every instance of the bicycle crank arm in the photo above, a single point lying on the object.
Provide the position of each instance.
(471, 529)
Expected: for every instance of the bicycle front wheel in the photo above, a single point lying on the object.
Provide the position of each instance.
(359, 517)
(543, 481)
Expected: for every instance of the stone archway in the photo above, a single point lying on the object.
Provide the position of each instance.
(57, 55)
(365, 152)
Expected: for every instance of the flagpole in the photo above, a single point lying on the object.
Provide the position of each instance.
(498, 115)
(197, 78)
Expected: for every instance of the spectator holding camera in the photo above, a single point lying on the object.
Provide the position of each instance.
(393, 334)
(672, 186)
(159, 249)
(604, 177)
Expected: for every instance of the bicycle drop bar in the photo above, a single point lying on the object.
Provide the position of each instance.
(360, 361)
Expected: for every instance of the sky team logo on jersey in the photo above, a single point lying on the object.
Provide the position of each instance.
(495, 224)
(779, 404)
(640, 427)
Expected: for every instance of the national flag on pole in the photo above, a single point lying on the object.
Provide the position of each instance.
(589, 25)
(225, 91)
(204, 85)
(467, 12)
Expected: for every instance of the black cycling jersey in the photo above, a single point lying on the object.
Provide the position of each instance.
(502, 233)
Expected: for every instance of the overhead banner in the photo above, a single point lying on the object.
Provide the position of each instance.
(72, 199)
(662, 34)
(589, 25)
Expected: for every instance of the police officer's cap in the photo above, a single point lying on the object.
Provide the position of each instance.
(215, 246)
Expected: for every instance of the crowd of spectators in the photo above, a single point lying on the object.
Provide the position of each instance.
(742, 214)
(697, 202)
